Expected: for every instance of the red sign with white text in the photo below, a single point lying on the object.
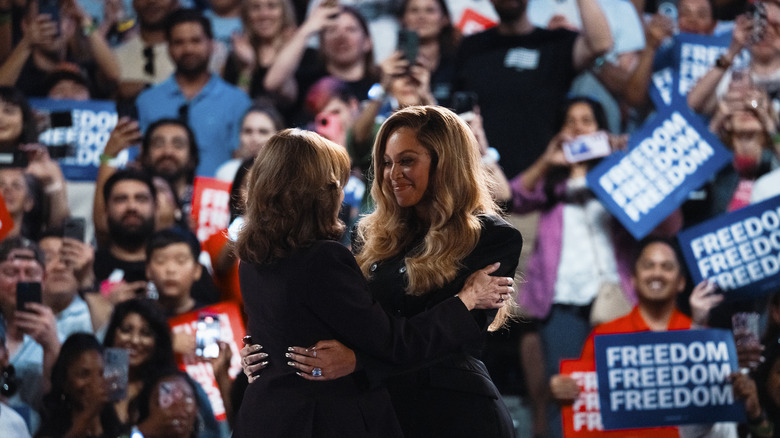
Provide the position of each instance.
(210, 206)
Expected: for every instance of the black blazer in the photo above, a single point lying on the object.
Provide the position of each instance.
(319, 293)
(454, 395)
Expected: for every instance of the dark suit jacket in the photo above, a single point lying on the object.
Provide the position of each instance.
(453, 396)
(319, 293)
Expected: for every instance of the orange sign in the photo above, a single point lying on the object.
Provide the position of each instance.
(472, 22)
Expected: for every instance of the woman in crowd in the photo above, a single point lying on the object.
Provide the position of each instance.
(167, 407)
(139, 326)
(313, 289)
(18, 141)
(260, 122)
(438, 42)
(429, 187)
(78, 404)
(346, 53)
(268, 24)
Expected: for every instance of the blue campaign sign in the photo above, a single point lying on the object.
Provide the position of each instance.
(740, 250)
(653, 379)
(83, 127)
(694, 56)
(661, 86)
(670, 155)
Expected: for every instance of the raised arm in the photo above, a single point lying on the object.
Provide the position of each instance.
(657, 30)
(280, 78)
(702, 97)
(595, 38)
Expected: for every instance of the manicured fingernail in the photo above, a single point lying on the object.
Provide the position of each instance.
(288, 355)
(257, 347)
(292, 364)
(263, 355)
(264, 364)
(290, 349)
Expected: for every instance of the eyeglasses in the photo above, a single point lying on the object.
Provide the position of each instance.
(149, 60)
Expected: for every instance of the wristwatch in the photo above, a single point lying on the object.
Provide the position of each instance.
(723, 62)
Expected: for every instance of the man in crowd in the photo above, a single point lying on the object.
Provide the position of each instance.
(202, 100)
(658, 278)
(143, 59)
(521, 75)
(31, 335)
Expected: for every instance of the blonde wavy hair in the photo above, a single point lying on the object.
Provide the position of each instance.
(293, 195)
(459, 190)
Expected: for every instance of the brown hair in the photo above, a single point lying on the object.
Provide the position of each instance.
(293, 195)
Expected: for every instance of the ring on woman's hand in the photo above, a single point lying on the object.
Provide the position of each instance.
(316, 372)
(314, 353)
(176, 422)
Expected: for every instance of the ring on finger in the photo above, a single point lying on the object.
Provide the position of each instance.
(316, 372)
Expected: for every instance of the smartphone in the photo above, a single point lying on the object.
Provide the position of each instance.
(206, 336)
(329, 126)
(116, 367)
(61, 119)
(463, 102)
(587, 147)
(14, 159)
(52, 9)
(408, 44)
(27, 292)
(74, 228)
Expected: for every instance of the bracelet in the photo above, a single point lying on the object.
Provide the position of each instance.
(106, 159)
(491, 156)
(88, 29)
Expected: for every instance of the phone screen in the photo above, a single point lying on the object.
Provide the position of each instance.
(27, 292)
(207, 335)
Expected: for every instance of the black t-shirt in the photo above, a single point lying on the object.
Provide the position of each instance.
(521, 82)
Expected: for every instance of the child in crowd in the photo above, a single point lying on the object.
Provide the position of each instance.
(172, 267)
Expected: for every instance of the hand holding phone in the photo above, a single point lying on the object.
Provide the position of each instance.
(27, 292)
(207, 336)
(587, 147)
(409, 45)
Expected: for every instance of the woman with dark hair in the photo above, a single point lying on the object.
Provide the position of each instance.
(439, 40)
(18, 141)
(167, 406)
(139, 326)
(78, 404)
(581, 250)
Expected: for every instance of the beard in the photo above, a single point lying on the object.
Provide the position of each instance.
(508, 13)
(130, 237)
(193, 68)
(170, 174)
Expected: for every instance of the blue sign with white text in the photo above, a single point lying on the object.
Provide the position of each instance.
(655, 379)
(694, 56)
(740, 250)
(672, 154)
(82, 128)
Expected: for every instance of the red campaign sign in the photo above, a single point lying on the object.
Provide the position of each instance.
(210, 206)
(472, 22)
(231, 331)
(6, 221)
(582, 419)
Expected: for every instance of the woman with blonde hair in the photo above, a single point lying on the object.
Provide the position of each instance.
(300, 285)
(435, 223)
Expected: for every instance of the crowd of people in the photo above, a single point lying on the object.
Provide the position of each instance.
(387, 163)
